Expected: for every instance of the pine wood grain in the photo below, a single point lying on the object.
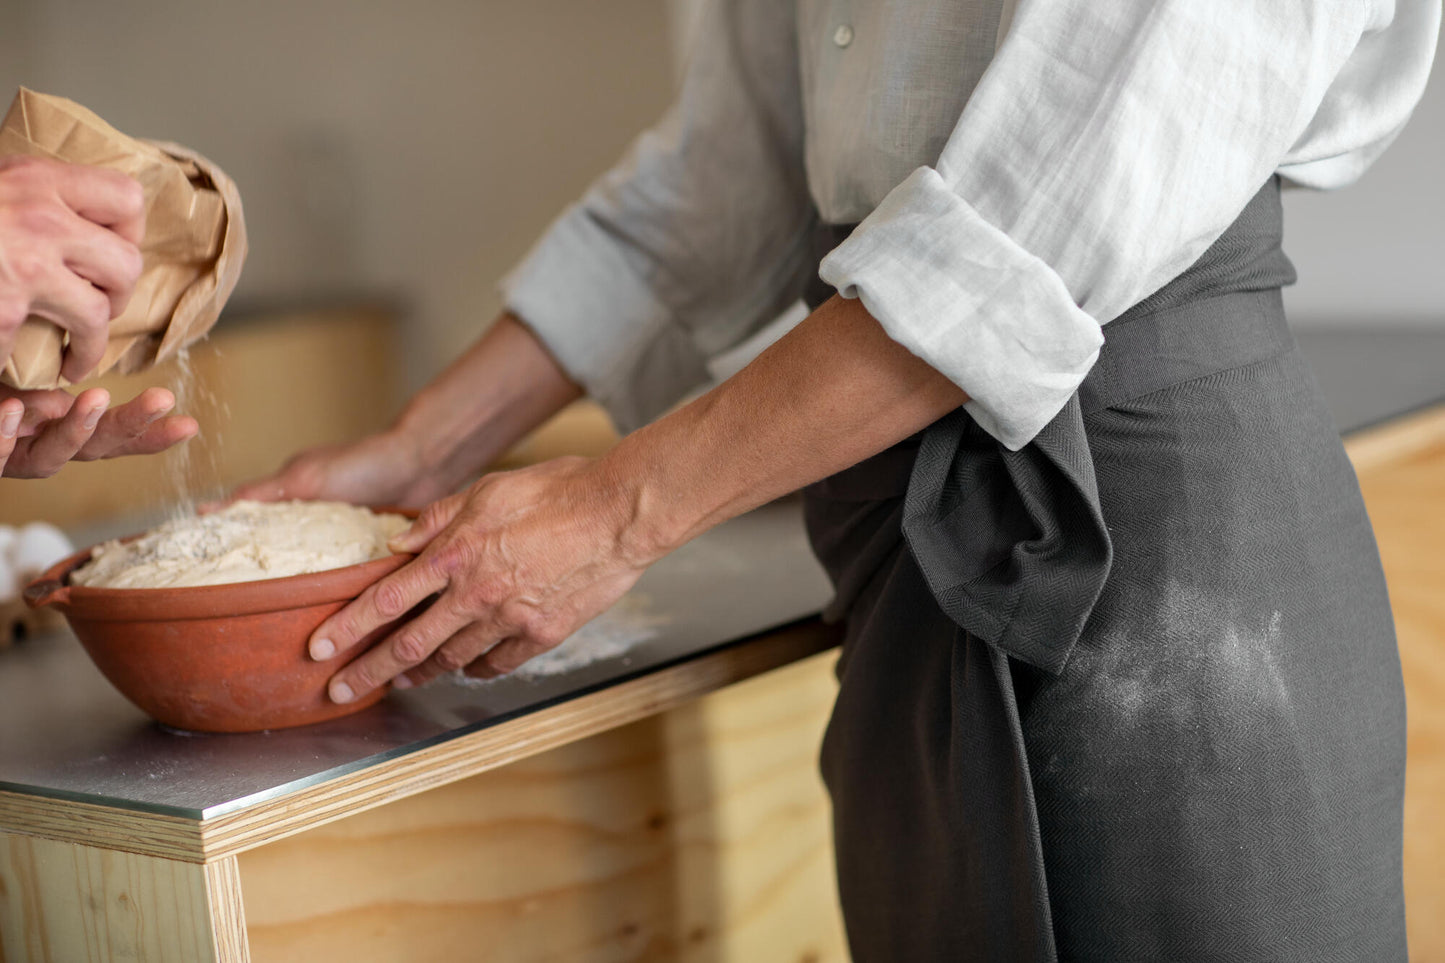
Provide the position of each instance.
(264, 822)
(698, 834)
(63, 903)
(1402, 474)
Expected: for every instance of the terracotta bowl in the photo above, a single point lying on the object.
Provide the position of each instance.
(217, 658)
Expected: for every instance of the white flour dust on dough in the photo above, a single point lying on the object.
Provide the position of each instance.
(244, 542)
(612, 634)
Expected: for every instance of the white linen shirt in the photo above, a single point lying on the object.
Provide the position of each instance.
(1023, 176)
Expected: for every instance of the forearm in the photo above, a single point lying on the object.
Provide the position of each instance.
(505, 385)
(522, 559)
(831, 393)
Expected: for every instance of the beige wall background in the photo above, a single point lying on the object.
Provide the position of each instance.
(409, 149)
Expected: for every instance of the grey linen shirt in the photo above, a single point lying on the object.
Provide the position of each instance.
(1023, 174)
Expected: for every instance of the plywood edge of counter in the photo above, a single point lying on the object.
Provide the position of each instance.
(107, 827)
(1398, 439)
(205, 840)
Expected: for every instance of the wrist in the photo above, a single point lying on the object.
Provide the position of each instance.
(503, 387)
(643, 533)
(398, 454)
(428, 432)
(654, 513)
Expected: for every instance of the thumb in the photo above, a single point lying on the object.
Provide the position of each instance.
(429, 524)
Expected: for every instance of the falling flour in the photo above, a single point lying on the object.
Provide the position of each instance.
(193, 473)
(612, 634)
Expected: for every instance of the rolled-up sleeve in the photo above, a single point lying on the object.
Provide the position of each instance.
(1106, 147)
(701, 233)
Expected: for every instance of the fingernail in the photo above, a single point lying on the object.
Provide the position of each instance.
(322, 649)
(10, 424)
(155, 416)
(341, 692)
(401, 682)
(93, 419)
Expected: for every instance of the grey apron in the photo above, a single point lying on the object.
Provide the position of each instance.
(1132, 692)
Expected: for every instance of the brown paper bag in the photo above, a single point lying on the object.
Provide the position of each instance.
(195, 241)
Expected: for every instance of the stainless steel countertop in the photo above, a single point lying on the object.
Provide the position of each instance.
(65, 732)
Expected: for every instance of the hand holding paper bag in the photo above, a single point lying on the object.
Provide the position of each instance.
(193, 248)
(69, 252)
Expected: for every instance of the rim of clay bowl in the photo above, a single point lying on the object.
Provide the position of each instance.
(207, 601)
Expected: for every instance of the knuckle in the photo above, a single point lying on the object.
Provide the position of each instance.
(509, 658)
(29, 267)
(25, 169)
(132, 262)
(390, 599)
(38, 219)
(524, 619)
(491, 664)
(13, 312)
(409, 648)
(548, 635)
(95, 312)
(438, 564)
(536, 626)
(434, 516)
(449, 658)
(361, 677)
(530, 648)
(457, 556)
(486, 593)
(131, 195)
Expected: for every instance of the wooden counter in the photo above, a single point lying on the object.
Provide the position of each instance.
(673, 814)
(662, 821)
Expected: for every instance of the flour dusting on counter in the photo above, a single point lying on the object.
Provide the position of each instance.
(613, 633)
(244, 542)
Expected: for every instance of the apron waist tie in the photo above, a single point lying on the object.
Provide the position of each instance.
(1014, 545)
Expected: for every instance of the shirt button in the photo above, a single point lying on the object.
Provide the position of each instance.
(843, 36)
